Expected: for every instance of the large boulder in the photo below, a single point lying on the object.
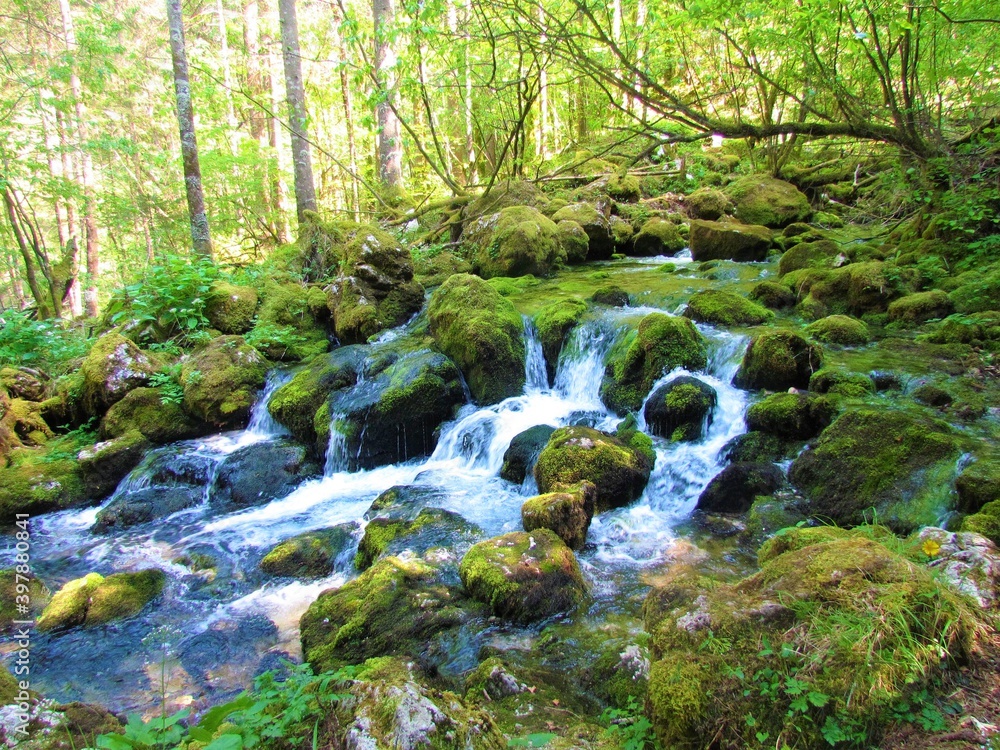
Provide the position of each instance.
(793, 416)
(482, 332)
(374, 289)
(554, 323)
(259, 473)
(978, 484)
(708, 203)
(778, 360)
(36, 484)
(601, 244)
(113, 367)
(24, 382)
(659, 344)
(725, 308)
(313, 554)
(523, 576)
(567, 513)
(103, 465)
(712, 240)
(582, 454)
(773, 295)
(231, 308)
(515, 241)
(95, 599)
(523, 451)
(681, 409)
(144, 410)
(842, 330)
(734, 489)
(855, 289)
(914, 309)
(430, 528)
(878, 463)
(819, 253)
(768, 202)
(657, 237)
(221, 381)
(147, 504)
(395, 414)
(291, 322)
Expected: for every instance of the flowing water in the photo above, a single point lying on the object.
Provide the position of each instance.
(214, 628)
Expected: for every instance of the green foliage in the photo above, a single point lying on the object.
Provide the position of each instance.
(629, 728)
(168, 380)
(273, 337)
(539, 739)
(38, 343)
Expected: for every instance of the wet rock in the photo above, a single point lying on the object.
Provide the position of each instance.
(708, 203)
(681, 409)
(820, 253)
(144, 410)
(260, 473)
(221, 381)
(231, 308)
(145, 505)
(554, 323)
(755, 447)
(978, 484)
(432, 527)
(567, 513)
(772, 295)
(96, 599)
(595, 223)
(842, 383)
(711, 240)
(24, 382)
(842, 330)
(113, 367)
(778, 360)
(793, 416)
(768, 202)
(313, 554)
(482, 332)
(404, 502)
(515, 241)
(523, 576)
(577, 454)
(931, 395)
(37, 592)
(734, 489)
(725, 308)
(105, 464)
(522, 454)
(657, 237)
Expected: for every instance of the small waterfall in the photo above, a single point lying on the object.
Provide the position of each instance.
(535, 376)
(262, 424)
(581, 365)
(337, 460)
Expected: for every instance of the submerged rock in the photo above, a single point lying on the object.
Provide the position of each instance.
(681, 409)
(778, 360)
(712, 240)
(567, 512)
(523, 576)
(96, 599)
(522, 454)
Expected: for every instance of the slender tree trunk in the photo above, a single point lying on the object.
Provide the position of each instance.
(470, 136)
(227, 72)
(200, 236)
(275, 141)
(543, 96)
(295, 93)
(390, 144)
(345, 95)
(42, 301)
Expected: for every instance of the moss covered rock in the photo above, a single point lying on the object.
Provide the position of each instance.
(841, 383)
(977, 294)
(978, 484)
(523, 576)
(482, 332)
(374, 289)
(290, 324)
(144, 410)
(657, 237)
(708, 203)
(113, 367)
(567, 513)
(516, 241)
(820, 253)
(221, 381)
(812, 603)
(772, 295)
(24, 382)
(712, 240)
(105, 464)
(611, 295)
(734, 488)
(725, 308)
(95, 599)
(978, 330)
(920, 307)
(768, 202)
(313, 554)
(842, 330)
(794, 416)
(523, 451)
(778, 360)
(659, 344)
(681, 409)
(856, 289)
(147, 504)
(578, 454)
(600, 242)
(755, 447)
(429, 529)
(553, 323)
(986, 521)
(36, 482)
(881, 460)
(37, 594)
(393, 608)
(231, 308)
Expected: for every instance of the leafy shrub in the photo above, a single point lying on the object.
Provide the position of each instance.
(39, 343)
(168, 380)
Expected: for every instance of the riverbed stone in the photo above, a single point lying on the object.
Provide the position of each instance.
(842, 330)
(734, 489)
(792, 416)
(720, 307)
(522, 454)
(95, 599)
(113, 367)
(567, 513)
(713, 240)
(313, 554)
(595, 223)
(145, 505)
(554, 323)
(259, 473)
(103, 465)
(778, 360)
(755, 447)
(515, 241)
(657, 237)
(430, 528)
(221, 381)
(768, 201)
(143, 410)
(681, 409)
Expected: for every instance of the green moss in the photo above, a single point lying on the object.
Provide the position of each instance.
(573, 240)
(123, 595)
(978, 329)
(37, 481)
(986, 521)
(977, 485)
(841, 330)
(725, 308)
(567, 513)
(768, 202)
(309, 555)
(680, 409)
(778, 360)
(708, 203)
(920, 307)
(553, 323)
(624, 188)
(978, 294)
(820, 253)
(659, 344)
(795, 416)
(113, 367)
(231, 308)
(712, 240)
(144, 410)
(483, 333)
(68, 607)
(841, 383)
(772, 294)
(378, 534)
(658, 237)
(600, 243)
(286, 328)
(8, 687)
(221, 381)
(37, 593)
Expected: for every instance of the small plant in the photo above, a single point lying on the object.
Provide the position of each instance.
(629, 727)
(272, 337)
(168, 381)
(42, 343)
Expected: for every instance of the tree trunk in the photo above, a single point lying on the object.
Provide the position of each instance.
(295, 94)
(42, 301)
(345, 94)
(390, 146)
(227, 72)
(200, 236)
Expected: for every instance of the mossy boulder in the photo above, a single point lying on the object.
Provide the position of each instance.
(725, 308)
(290, 325)
(657, 237)
(600, 242)
(978, 484)
(36, 482)
(681, 409)
(820, 253)
(24, 419)
(404, 501)
(734, 488)
(772, 295)
(522, 454)
(95, 599)
(624, 188)
(708, 203)
(755, 447)
(793, 416)
(769, 202)
(144, 411)
(24, 382)
(231, 308)
(855, 289)
(554, 323)
(712, 240)
(778, 360)
(395, 607)
(374, 289)
(574, 241)
(977, 294)
(258, 473)
(841, 383)
(978, 330)
(515, 241)
(105, 464)
(482, 332)
(985, 521)
(221, 381)
(656, 346)
(611, 295)
(578, 454)
(880, 462)
(313, 554)
(567, 513)
(430, 528)
(914, 309)
(523, 576)
(817, 596)
(931, 395)
(113, 367)
(841, 330)
(37, 592)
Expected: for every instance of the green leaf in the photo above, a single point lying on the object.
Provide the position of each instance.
(226, 742)
(532, 740)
